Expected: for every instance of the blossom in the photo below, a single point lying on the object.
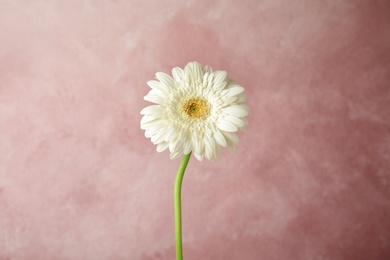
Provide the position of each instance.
(197, 110)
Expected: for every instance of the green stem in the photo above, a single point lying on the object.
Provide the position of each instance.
(177, 195)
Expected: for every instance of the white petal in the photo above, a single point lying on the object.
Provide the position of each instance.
(179, 146)
(219, 76)
(245, 121)
(241, 98)
(205, 79)
(187, 147)
(149, 124)
(209, 147)
(175, 155)
(165, 79)
(218, 136)
(226, 126)
(177, 74)
(219, 85)
(237, 110)
(199, 156)
(231, 147)
(235, 120)
(186, 141)
(154, 98)
(148, 134)
(154, 137)
(162, 147)
(172, 146)
(229, 99)
(176, 145)
(224, 92)
(160, 135)
(157, 126)
(197, 143)
(197, 71)
(152, 110)
(235, 90)
(232, 140)
(210, 83)
(207, 69)
(147, 118)
(193, 73)
(156, 85)
(216, 153)
(171, 133)
(164, 133)
(231, 137)
(145, 126)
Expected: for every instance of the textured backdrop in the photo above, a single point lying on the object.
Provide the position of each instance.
(310, 179)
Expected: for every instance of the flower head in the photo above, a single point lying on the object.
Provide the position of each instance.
(196, 111)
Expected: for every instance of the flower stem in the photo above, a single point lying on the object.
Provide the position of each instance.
(177, 195)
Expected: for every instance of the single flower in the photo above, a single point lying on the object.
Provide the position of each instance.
(196, 111)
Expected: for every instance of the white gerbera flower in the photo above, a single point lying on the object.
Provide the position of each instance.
(196, 111)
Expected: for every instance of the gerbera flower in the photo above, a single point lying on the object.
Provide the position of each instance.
(196, 111)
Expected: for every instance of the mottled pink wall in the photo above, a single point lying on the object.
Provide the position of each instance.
(310, 179)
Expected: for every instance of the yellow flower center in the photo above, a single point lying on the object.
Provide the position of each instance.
(195, 108)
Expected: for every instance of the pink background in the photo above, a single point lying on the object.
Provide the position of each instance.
(310, 179)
